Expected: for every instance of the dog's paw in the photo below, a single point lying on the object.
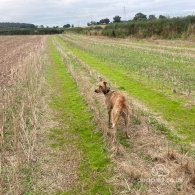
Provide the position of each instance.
(109, 134)
(113, 126)
(128, 137)
(110, 125)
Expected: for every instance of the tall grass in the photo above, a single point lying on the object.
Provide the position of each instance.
(20, 120)
(176, 27)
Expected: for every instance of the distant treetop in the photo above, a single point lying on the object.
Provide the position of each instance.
(140, 16)
(162, 17)
(151, 17)
(117, 19)
(67, 26)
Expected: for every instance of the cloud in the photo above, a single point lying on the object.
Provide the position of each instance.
(79, 12)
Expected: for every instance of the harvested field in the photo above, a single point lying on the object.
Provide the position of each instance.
(13, 51)
(54, 133)
(20, 96)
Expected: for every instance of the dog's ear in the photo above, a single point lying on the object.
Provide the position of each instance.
(100, 78)
(105, 82)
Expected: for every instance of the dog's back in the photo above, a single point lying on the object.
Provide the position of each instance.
(115, 100)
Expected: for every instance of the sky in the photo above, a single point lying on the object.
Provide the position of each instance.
(79, 12)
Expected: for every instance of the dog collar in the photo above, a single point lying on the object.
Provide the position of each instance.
(107, 91)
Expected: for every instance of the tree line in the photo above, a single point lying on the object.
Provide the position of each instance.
(117, 19)
(16, 25)
(9, 28)
(142, 26)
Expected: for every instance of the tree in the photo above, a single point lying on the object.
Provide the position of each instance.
(151, 17)
(72, 25)
(140, 16)
(104, 21)
(66, 26)
(117, 19)
(91, 23)
(162, 17)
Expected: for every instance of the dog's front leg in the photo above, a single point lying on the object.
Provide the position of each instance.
(109, 118)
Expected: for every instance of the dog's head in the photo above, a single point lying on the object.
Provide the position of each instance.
(102, 87)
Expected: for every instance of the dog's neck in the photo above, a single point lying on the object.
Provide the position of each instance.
(106, 90)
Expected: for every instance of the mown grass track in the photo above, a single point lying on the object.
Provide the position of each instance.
(75, 118)
(172, 109)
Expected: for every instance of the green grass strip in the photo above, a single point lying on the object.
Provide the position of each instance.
(182, 118)
(75, 118)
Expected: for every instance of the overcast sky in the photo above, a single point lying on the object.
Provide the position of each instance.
(79, 12)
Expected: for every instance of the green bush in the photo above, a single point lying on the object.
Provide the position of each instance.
(165, 27)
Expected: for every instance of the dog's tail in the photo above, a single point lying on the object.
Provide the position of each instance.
(125, 110)
(126, 114)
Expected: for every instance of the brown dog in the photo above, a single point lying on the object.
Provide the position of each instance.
(116, 105)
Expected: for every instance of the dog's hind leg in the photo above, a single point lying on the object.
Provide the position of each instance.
(115, 114)
(114, 136)
(125, 115)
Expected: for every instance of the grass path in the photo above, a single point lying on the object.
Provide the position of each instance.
(180, 117)
(75, 136)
